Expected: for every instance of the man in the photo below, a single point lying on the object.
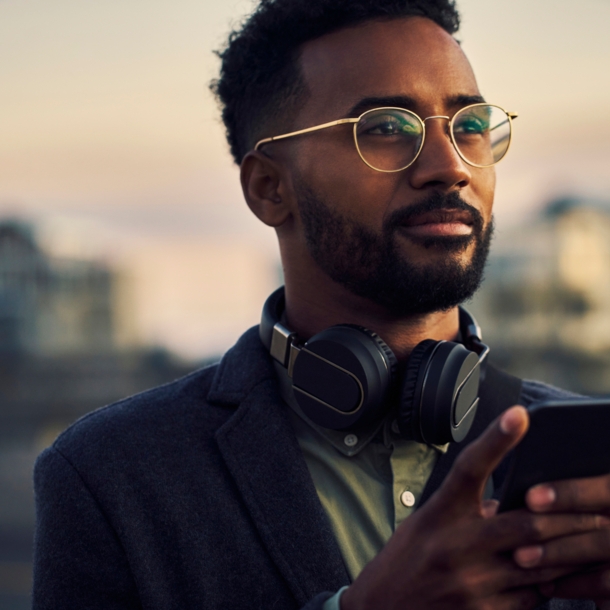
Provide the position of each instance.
(213, 492)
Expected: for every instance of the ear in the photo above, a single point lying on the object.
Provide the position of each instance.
(264, 189)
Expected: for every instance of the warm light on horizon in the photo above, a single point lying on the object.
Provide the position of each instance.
(106, 116)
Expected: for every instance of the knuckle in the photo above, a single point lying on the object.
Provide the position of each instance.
(585, 522)
(599, 522)
(510, 529)
(530, 527)
(535, 528)
(571, 492)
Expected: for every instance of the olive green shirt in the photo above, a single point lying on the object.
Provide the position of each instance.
(368, 483)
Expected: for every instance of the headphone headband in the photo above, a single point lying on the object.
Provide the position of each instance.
(278, 339)
(346, 375)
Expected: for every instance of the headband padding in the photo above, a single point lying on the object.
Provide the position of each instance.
(408, 410)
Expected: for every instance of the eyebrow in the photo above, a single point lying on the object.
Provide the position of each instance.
(404, 101)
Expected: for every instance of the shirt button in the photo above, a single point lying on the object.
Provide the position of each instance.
(351, 440)
(407, 499)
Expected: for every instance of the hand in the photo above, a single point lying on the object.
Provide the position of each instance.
(455, 552)
(588, 552)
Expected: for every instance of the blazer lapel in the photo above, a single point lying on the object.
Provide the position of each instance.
(261, 452)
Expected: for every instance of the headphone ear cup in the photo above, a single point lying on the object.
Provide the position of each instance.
(441, 406)
(342, 376)
(410, 398)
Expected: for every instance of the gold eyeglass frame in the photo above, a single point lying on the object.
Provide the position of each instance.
(510, 116)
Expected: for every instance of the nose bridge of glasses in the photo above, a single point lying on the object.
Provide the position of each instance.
(437, 116)
(446, 130)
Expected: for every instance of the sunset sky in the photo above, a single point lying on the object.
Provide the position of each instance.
(111, 142)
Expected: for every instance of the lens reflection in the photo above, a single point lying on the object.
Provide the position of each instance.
(482, 134)
(389, 139)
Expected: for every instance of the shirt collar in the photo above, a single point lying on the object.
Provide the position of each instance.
(348, 442)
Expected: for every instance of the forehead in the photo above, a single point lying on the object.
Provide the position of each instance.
(409, 57)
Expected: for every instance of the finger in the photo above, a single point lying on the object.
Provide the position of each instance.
(513, 529)
(590, 494)
(466, 480)
(594, 584)
(518, 599)
(503, 575)
(580, 549)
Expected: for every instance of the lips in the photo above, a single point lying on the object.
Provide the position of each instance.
(439, 223)
(441, 217)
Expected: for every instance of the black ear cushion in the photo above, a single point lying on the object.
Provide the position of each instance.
(408, 416)
(384, 347)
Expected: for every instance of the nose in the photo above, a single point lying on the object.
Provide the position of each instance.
(439, 164)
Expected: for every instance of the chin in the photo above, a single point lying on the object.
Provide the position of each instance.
(429, 251)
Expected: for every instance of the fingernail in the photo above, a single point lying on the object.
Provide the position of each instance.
(541, 497)
(528, 556)
(511, 421)
(489, 508)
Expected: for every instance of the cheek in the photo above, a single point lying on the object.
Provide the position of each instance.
(342, 180)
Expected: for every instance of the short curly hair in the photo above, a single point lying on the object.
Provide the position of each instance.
(260, 82)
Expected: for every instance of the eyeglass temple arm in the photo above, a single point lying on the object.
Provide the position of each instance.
(301, 131)
(510, 115)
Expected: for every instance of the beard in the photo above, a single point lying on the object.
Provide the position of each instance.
(371, 265)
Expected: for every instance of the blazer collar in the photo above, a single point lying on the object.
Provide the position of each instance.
(263, 456)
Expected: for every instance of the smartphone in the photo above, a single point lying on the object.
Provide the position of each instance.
(567, 439)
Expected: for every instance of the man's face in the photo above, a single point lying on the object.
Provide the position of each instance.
(416, 240)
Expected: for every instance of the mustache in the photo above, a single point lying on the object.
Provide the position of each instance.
(432, 203)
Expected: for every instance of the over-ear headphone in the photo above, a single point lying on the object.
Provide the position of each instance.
(346, 375)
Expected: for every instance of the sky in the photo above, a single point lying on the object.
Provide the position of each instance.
(111, 142)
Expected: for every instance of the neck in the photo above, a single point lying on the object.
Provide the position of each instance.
(310, 310)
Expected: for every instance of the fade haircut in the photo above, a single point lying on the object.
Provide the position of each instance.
(261, 86)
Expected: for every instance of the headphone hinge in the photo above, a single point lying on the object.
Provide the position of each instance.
(281, 341)
(294, 352)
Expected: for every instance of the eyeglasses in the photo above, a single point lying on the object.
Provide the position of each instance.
(390, 139)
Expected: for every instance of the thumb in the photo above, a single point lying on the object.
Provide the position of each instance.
(465, 482)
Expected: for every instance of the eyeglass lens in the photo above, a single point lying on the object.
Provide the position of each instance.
(390, 139)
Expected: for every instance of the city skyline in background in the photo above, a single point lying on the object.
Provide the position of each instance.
(111, 144)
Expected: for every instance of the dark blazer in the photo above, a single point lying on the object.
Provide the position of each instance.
(191, 495)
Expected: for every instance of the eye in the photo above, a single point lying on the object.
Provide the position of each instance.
(471, 124)
(388, 124)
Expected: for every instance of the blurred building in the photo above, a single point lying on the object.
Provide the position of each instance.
(66, 348)
(545, 302)
(50, 306)
(53, 306)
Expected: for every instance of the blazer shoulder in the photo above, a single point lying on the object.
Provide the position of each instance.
(536, 391)
(173, 410)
